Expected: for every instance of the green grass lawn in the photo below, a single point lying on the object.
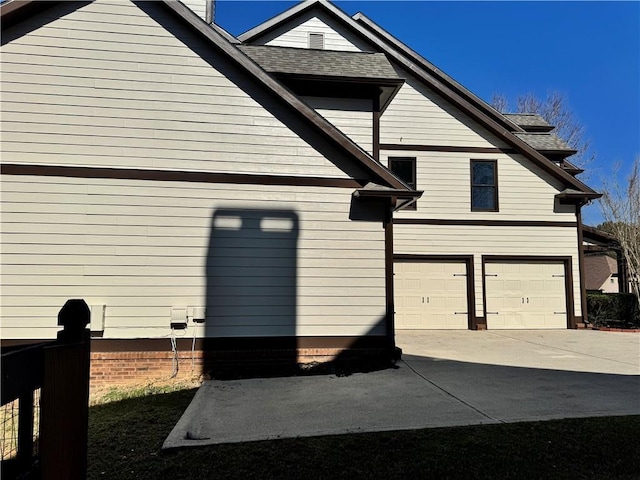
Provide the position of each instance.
(125, 438)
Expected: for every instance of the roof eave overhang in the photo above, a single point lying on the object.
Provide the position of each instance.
(577, 198)
(558, 153)
(382, 89)
(397, 198)
(599, 237)
(537, 128)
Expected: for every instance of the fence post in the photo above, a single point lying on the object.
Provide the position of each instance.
(25, 429)
(65, 397)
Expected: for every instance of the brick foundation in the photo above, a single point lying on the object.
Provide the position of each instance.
(122, 368)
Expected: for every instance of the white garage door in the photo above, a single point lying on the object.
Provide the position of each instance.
(430, 295)
(525, 295)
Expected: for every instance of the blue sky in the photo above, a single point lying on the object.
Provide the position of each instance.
(588, 51)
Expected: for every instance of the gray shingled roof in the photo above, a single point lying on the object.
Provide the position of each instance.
(598, 268)
(527, 120)
(330, 63)
(545, 142)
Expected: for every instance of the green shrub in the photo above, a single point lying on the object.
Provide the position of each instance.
(613, 309)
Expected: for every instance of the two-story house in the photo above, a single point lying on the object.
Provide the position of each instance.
(294, 194)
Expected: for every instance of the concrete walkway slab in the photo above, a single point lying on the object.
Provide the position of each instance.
(569, 350)
(446, 378)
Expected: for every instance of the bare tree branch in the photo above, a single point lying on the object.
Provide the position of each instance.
(500, 102)
(620, 206)
(556, 111)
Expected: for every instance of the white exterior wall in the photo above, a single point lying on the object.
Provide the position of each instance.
(107, 86)
(141, 247)
(418, 116)
(198, 6)
(483, 240)
(610, 285)
(296, 34)
(353, 117)
(525, 192)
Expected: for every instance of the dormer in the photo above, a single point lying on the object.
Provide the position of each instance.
(539, 134)
(329, 73)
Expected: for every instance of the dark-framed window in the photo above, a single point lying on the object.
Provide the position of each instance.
(484, 185)
(405, 169)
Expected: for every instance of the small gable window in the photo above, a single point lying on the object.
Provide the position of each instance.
(484, 185)
(316, 41)
(405, 169)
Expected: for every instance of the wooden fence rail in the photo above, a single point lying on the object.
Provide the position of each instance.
(60, 369)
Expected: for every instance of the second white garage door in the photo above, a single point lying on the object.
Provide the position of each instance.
(430, 295)
(525, 295)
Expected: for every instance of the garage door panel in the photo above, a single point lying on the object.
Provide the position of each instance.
(525, 295)
(441, 302)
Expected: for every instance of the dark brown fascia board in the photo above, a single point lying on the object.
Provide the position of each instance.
(391, 193)
(14, 11)
(391, 83)
(382, 82)
(362, 19)
(398, 198)
(423, 75)
(571, 168)
(592, 234)
(565, 152)
(537, 128)
(578, 198)
(285, 95)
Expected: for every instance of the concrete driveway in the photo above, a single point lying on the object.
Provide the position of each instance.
(445, 378)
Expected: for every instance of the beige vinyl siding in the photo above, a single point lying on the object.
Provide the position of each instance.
(525, 192)
(419, 116)
(352, 116)
(296, 34)
(141, 247)
(106, 85)
(198, 6)
(483, 240)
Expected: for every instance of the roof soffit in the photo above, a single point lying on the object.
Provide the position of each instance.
(397, 52)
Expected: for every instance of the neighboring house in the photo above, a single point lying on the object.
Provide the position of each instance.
(261, 191)
(601, 273)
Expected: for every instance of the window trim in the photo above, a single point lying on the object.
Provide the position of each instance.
(496, 207)
(414, 172)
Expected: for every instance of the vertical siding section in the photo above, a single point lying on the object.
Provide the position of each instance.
(142, 247)
(479, 241)
(106, 85)
(296, 34)
(351, 116)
